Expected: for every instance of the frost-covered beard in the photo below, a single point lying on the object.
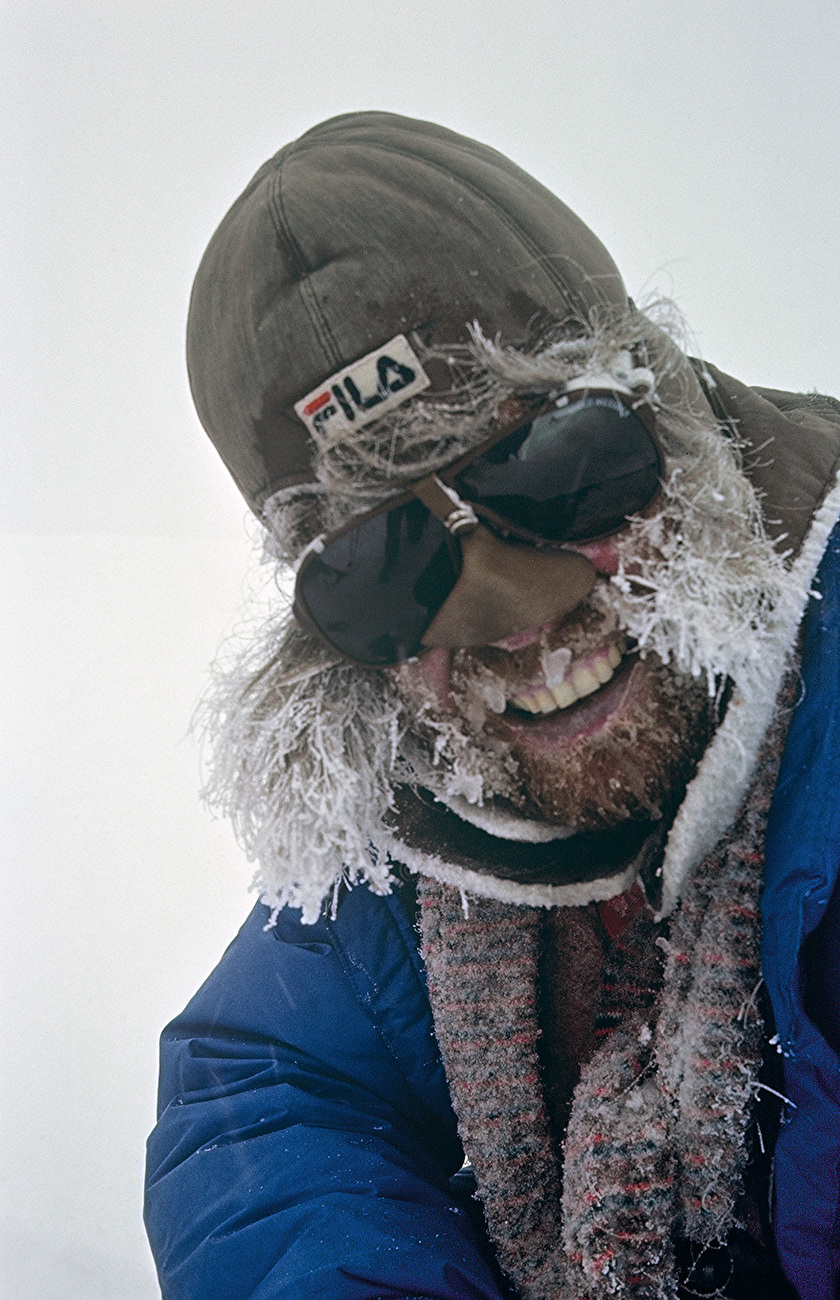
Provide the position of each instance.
(308, 750)
(484, 730)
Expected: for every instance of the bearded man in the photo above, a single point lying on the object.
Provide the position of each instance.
(496, 1027)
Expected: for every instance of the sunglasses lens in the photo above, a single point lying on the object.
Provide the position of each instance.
(572, 474)
(374, 590)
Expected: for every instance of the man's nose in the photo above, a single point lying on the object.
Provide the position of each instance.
(507, 587)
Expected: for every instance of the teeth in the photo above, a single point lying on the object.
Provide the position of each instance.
(603, 670)
(585, 681)
(582, 680)
(564, 695)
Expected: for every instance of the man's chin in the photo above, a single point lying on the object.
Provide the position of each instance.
(626, 752)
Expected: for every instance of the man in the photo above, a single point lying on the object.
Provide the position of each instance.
(507, 770)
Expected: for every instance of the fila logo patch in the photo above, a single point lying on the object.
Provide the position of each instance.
(363, 392)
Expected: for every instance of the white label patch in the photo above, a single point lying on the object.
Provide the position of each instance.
(365, 391)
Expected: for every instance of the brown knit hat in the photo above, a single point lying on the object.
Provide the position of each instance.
(369, 226)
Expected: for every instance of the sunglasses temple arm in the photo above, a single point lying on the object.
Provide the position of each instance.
(457, 516)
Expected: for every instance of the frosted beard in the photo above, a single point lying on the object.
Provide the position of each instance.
(308, 751)
(625, 750)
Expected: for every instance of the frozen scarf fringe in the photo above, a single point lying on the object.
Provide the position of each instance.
(658, 1138)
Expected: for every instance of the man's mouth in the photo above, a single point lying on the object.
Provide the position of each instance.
(563, 680)
(597, 690)
(573, 728)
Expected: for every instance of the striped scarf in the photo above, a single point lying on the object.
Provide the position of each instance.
(604, 1066)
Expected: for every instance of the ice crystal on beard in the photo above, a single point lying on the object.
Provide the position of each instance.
(699, 582)
(303, 763)
(555, 664)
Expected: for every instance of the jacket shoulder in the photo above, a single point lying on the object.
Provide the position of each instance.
(305, 1136)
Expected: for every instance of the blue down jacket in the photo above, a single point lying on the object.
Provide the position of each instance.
(306, 1140)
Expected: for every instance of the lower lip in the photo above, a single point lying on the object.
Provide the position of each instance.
(587, 716)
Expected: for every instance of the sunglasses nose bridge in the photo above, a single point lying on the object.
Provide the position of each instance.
(505, 588)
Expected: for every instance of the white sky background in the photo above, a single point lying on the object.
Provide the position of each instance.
(701, 144)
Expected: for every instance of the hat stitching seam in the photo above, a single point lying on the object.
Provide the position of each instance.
(543, 259)
(312, 142)
(304, 286)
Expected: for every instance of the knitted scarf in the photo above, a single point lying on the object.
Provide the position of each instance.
(604, 1067)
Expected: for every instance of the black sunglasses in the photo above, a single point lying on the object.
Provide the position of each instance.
(571, 472)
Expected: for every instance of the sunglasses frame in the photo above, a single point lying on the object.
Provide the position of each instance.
(514, 412)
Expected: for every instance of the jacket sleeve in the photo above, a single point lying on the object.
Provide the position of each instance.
(801, 879)
(305, 1138)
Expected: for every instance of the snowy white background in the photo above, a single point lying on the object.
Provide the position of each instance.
(699, 141)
